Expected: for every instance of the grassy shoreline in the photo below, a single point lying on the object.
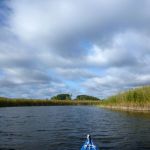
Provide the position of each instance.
(127, 108)
(6, 102)
(137, 99)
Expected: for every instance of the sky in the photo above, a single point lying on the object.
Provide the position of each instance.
(93, 47)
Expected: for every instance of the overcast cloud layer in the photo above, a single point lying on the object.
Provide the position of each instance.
(95, 47)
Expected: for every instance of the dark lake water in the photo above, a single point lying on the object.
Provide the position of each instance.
(65, 128)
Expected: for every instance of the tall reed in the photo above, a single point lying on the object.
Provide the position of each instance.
(138, 97)
(4, 102)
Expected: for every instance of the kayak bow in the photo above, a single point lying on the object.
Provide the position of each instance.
(89, 145)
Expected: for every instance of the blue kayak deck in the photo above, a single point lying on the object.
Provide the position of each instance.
(89, 146)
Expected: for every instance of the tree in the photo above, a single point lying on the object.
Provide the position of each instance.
(86, 97)
(61, 97)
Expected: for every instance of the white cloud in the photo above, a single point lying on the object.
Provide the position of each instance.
(126, 49)
(47, 47)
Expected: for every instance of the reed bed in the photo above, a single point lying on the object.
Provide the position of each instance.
(5, 102)
(135, 99)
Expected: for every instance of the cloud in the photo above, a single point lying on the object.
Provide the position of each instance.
(126, 49)
(75, 73)
(88, 46)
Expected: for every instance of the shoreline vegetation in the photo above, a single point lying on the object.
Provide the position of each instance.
(137, 99)
(6, 102)
(58, 100)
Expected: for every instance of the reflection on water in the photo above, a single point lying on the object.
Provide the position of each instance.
(134, 114)
(65, 128)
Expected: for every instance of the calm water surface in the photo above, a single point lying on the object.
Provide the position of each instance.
(65, 128)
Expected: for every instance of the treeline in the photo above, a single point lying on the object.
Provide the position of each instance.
(61, 97)
(69, 97)
(86, 97)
